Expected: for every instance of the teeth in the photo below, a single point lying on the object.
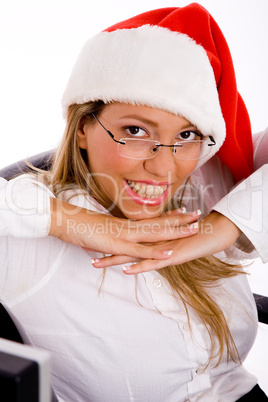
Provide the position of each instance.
(149, 190)
(146, 191)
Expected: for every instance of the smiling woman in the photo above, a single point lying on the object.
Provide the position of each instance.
(153, 183)
(143, 143)
(138, 144)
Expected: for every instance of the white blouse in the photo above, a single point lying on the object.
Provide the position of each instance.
(118, 338)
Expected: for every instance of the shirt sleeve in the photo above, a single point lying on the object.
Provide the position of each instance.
(24, 207)
(246, 204)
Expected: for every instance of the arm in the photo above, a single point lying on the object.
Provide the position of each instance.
(240, 218)
(29, 210)
(110, 235)
(208, 241)
(24, 208)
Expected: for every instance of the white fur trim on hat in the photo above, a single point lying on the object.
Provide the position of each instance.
(152, 66)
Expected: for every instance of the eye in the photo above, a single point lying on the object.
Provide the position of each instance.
(135, 131)
(190, 136)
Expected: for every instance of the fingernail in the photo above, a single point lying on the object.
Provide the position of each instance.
(94, 260)
(194, 226)
(197, 212)
(126, 267)
(181, 210)
(169, 252)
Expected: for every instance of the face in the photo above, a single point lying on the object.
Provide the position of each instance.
(137, 188)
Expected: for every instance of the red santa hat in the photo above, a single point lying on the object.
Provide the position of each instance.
(175, 59)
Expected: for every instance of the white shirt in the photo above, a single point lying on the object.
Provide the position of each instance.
(124, 338)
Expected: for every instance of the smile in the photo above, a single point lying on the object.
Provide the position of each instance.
(147, 191)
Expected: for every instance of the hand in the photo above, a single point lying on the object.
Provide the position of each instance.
(216, 233)
(110, 235)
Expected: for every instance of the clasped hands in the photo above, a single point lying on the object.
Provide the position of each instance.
(174, 238)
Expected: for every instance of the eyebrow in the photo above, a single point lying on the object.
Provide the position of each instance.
(187, 125)
(143, 119)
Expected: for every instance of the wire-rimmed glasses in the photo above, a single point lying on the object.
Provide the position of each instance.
(135, 148)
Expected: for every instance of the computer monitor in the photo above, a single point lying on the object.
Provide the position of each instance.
(24, 373)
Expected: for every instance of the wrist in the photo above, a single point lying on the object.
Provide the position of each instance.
(53, 230)
(219, 224)
(59, 217)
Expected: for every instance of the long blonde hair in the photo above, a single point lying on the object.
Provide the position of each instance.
(190, 280)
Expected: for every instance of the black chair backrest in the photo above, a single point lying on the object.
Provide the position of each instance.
(8, 329)
(40, 161)
(262, 307)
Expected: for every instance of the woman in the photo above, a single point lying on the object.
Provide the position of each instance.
(149, 103)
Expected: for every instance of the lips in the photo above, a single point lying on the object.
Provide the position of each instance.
(146, 193)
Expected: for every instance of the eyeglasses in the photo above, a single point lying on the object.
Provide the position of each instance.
(134, 148)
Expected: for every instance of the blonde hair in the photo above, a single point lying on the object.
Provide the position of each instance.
(192, 280)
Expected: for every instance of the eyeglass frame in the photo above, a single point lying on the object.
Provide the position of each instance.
(157, 146)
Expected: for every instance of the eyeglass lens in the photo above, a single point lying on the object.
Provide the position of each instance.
(147, 149)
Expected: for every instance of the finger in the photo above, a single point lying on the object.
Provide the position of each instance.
(145, 266)
(181, 211)
(175, 218)
(178, 211)
(90, 250)
(138, 250)
(106, 262)
(168, 233)
(143, 251)
(164, 229)
(159, 249)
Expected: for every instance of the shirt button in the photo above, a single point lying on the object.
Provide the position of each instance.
(186, 327)
(157, 283)
(200, 370)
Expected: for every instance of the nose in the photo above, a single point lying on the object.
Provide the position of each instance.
(162, 164)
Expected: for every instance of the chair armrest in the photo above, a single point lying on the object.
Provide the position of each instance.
(262, 307)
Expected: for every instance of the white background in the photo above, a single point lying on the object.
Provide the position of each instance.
(39, 42)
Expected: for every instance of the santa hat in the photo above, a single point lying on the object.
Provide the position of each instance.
(175, 59)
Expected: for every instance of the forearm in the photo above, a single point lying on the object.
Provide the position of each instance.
(216, 233)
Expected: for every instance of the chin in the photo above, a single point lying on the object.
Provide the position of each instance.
(142, 213)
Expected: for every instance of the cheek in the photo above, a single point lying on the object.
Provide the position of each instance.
(184, 169)
(104, 160)
(100, 154)
(191, 166)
